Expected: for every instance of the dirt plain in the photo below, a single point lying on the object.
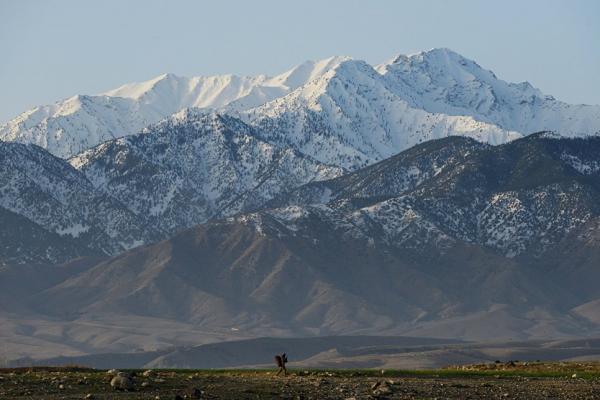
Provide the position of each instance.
(511, 380)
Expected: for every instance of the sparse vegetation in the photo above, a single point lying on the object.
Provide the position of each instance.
(495, 380)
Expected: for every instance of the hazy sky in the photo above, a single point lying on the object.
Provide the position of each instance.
(54, 49)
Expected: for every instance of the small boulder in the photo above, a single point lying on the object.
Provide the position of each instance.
(122, 382)
(382, 389)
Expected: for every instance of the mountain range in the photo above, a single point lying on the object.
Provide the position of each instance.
(420, 197)
(358, 112)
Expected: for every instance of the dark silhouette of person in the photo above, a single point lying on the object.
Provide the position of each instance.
(280, 360)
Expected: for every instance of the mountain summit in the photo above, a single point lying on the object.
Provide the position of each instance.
(354, 114)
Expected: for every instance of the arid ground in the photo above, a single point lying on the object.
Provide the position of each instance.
(512, 380)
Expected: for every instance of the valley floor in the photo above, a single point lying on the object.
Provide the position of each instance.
(504, 380)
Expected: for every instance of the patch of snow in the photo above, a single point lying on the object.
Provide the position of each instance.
(73, 230)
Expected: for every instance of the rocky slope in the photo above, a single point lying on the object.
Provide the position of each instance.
(518, 198)
(196, 166)
(23, 241)
(143, 188)
(48, 199)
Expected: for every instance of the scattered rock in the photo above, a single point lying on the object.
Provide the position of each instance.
(89, 396)
(381, 389)
(122, 382)
(61, 386)
(574, 376)
(148, 373)
(194, 393)
(145, 384)
(112, 372)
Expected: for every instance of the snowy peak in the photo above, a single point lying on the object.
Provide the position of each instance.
(172, 93)
(445, 67)
(138, 89)
(77, 123)
(360, 112)
(353, 116)
(307, 72)
(219, 90)
(80, 122)
(442, 81)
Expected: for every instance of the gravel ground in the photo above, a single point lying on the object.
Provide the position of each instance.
(458, 383)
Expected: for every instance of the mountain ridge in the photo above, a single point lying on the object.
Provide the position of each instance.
(389, 248)
(126, 192)
(420, 97)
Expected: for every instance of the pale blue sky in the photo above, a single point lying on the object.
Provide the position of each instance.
(54, 49)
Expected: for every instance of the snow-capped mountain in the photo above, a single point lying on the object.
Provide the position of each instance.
(195, 166)
(81, 122)
(335, 110)
(130, 191)
(350, 117)
(389, 248)
(519, 198)
(169, 93)
(442, 81)
(451, 236)
(312, 202)
(49, 193)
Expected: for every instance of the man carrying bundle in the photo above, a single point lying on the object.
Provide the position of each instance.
(280, 360)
